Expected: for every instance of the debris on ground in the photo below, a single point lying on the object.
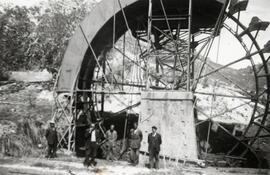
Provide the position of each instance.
(67, 166)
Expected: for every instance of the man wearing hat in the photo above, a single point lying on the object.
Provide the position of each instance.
(154, 142)
(52, 140)
(92, 136)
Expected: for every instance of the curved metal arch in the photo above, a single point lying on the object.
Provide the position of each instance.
(98, 29)
(266, 110)
(265, 66)
(78, 46)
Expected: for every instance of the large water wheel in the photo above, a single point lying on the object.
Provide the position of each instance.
(124, 47)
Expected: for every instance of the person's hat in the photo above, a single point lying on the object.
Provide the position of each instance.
(154, 127)
(52, 122)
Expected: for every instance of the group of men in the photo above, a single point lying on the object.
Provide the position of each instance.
(154, 141)
(93, 138)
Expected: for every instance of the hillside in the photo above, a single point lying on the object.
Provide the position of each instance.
(25, 109)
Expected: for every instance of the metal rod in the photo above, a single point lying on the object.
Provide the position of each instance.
(229, 64)
(115, 80)
(162, 19)
(123, 62)
(165, 34)
(166, 18)
(125, 18)
(103, 84)
(189, 44)
(130, 84)
(192, 57)
(261, 67)
(157, 69)
(239, 140)
(97, 59)
(149, 43)
(220, 114)
(252, 42)
(228, 79)
(127, 108)
(238, 17)
(258, 137)
(63, 109)
(208, 136)
(109, 92)
(262, 126)
(141, 67)
(125, 127)
(213, 34)
(176, 56)
(92, 50)
(223, 95)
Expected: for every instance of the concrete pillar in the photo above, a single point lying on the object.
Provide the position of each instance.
(172, 113)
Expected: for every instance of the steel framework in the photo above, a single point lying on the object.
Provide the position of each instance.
(167, 47)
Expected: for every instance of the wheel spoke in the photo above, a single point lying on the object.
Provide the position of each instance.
(262, 66)
(166, 18)
(228, 79)
(224, 95)
(220, 114)
(227, 65)
(115, 80)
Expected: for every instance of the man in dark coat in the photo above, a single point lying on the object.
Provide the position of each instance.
(135, 144)
(92, 136)
(52, 140)
(154, 142)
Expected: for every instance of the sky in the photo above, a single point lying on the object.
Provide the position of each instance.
(229, 49)
(23, 2)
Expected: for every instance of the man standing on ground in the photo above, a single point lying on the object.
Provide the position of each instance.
(111, 136)
(135, 144)
(92, 136)
(154, 142)
(51, 136)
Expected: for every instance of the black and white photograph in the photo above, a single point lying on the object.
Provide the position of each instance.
(134, 87)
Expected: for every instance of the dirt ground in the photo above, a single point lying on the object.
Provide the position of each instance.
(69, 165)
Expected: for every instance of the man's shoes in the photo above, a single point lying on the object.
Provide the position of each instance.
(94, 163)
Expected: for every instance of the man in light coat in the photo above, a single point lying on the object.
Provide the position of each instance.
(111, 136)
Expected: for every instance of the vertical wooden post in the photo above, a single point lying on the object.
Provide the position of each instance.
(149, 42)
